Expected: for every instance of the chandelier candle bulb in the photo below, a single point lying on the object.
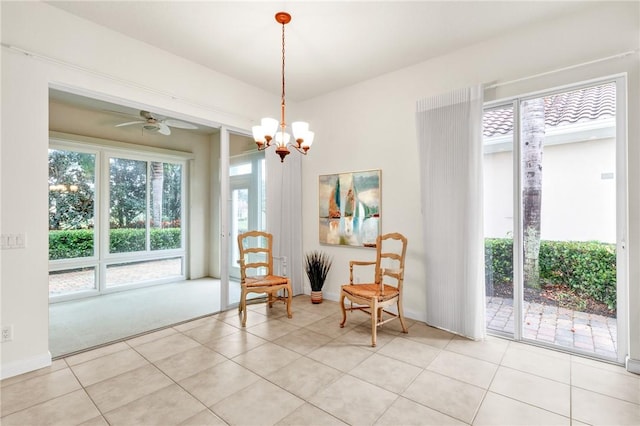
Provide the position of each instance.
(308, 140)
(258, 136)
(300, 130)
(282, 138)
(268, 128)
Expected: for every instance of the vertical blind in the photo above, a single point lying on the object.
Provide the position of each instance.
(449, 133)
(284, 204)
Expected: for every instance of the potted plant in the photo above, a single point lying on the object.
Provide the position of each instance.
(317, 265)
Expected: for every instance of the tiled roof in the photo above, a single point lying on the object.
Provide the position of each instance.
(592, 103)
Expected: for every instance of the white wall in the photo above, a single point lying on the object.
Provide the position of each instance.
(577, 203)
(103, 64)
(371, 125)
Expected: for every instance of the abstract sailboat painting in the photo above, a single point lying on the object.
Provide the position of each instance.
(349, 208)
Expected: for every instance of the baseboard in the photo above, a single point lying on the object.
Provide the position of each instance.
(330, 296)
(24, 366)
(632, 365)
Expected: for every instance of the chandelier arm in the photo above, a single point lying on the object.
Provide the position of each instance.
(302, 150)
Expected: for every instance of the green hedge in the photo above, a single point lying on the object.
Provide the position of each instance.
(70, 244)
(589, 268)
(164, 239)
(79, 242)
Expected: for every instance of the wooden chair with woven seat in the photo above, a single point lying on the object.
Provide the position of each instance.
(386, 290)
(256, 271)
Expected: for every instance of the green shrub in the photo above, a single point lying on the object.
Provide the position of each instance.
(70, 244)
(589, 268)
(126, 240)
(79, 242)
(167, 238)
(498, 260)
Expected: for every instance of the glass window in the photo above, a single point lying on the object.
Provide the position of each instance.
(71, 204)
(127, 205)
(166, 206)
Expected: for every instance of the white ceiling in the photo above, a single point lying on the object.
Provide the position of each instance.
(329, 45)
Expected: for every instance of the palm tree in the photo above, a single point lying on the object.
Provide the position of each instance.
(157, 181)
(533, 132)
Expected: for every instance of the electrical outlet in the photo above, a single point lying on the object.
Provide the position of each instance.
(7, 333)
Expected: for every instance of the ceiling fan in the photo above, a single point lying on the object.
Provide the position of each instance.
(158, 123)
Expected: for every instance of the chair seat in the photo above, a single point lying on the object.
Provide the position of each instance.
(370, 291)
(265, 281)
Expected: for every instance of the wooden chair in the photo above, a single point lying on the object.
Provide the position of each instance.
(256, 271)
(386, 290)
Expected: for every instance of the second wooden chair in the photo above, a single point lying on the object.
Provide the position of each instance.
(386, 288)
(256, 271)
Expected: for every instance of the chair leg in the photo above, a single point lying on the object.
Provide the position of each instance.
(289, 299)
(374, 322)
(243, 307)
(401, 316)
(344, 312)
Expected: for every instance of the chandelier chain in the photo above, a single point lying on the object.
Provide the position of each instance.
(283, 122)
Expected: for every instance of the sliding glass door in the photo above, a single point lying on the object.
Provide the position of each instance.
(498, 150)
(554, 197)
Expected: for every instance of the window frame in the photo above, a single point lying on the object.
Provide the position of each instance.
(101, 259)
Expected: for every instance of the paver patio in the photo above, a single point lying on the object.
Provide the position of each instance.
(595, 334)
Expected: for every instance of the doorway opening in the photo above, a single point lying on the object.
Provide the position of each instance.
(248, 207)
(130, 207)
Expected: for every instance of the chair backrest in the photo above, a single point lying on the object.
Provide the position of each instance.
(255, 254)
(391, 250)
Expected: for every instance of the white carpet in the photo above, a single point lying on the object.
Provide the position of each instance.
(81, 324)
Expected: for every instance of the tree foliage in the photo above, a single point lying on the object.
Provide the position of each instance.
(71, 189)
(128, 193)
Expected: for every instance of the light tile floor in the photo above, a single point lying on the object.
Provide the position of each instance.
(308, 371)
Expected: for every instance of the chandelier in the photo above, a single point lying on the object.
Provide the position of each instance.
(271, 132)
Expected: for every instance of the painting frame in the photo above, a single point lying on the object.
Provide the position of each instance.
(349, 208)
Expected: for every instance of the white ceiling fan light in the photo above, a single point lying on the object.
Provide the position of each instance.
(156, 123)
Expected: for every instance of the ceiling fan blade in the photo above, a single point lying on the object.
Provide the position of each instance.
(130, 123)
(164, 129)
(179, 124)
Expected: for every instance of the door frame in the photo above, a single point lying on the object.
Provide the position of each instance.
(622, 316)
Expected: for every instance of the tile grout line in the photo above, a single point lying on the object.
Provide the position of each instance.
(398, 395)
(232, 359)
(495, 373)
